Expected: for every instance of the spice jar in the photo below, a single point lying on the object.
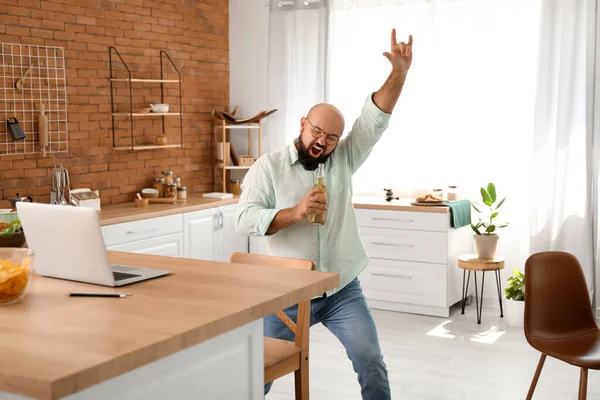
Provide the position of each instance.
(452, 194)
(438, 192)
(159, 185)
(181, 193)
(177, 181)
(168, 177)
(235, 187)
(171, 191)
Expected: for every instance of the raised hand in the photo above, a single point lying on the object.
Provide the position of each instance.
(400, 55)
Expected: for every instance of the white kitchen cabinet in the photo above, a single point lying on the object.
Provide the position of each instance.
(167, 245)
(413, 260)
(199, 228)
(210, 234)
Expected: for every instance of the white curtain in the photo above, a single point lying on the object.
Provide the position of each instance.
(296, 68)
(563, 208)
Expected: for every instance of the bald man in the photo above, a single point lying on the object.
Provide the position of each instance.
(277, 197)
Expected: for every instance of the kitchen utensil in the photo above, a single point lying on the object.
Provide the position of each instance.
(42, 129)
(21, 82)
(67, 185)
(14, 200)
(15, 130)
(141, 202)
(17, 265)
(159, 108)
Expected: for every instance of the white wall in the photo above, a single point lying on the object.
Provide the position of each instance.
(248, 60)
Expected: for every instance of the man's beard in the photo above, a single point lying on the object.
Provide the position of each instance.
(309, 162)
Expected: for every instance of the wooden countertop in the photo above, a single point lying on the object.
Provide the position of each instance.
(379, 203)
(126, 212)
(52, 345)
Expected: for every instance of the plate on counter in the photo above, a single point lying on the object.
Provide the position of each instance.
(428, 203)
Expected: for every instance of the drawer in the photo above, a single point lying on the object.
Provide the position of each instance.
(405, 282)
(396, 244)
(410, 220)
(142, 229)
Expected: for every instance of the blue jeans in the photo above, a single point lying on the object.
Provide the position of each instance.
(348, 317)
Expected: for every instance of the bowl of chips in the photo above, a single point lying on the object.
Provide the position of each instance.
(16, 270)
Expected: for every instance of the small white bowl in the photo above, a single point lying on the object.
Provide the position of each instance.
(159, 108)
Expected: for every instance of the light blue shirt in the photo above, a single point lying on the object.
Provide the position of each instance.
(278, 181)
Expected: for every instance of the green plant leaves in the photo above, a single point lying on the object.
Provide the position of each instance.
(487, 200)
(516, 286)
(492, 192)
(475, 229)
(494, 215)
(501, 202)
(476, 207)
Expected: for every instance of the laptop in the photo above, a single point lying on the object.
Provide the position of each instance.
(68, 244)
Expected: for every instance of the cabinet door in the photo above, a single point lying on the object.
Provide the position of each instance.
(199, 230)
(229, 241)
(168, 245)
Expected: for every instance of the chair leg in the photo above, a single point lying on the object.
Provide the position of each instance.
(301, 378)
(499, 292)
(583, 384)
(536, 376)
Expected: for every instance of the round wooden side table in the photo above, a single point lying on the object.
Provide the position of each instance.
(472, 263)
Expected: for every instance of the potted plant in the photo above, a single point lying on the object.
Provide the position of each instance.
(486, 238)
(515, 294)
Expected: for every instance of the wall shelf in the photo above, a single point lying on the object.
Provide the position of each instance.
(164, 56)
(150, 114)
(148, 147)
(220, 136)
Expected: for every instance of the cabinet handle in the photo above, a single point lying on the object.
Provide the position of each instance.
(216, 222)
(392, 219)
(221, 217)
(151, 228)
(392, 244)
(392, 275)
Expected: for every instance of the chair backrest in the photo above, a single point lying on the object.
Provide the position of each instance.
(557, 301)
(281, 262)
(300, 328)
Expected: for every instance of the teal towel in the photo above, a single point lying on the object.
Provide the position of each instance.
(461, 212)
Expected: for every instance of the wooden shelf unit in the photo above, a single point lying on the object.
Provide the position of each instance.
(220, 132)
(114, 114)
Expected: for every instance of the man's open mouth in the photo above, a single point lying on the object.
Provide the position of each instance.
(316, 150)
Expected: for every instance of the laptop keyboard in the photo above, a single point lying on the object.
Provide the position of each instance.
(119, 276)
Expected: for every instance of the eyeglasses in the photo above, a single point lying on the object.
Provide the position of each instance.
(318, 133)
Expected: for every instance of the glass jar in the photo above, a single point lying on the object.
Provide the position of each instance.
(168, 177)
(171, 191)
(177, 181)
(181, 193)
(159, 184)
(235, 187)
(438, 192)
(452, 194)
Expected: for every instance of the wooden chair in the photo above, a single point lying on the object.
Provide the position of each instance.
(559, 320)
(281, 356)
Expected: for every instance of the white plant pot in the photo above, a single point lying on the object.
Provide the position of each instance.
(515, 312)
(486, 245)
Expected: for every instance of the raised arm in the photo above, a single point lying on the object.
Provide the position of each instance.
(401, 58)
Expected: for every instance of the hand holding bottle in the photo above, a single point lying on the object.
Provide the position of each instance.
(313, 203)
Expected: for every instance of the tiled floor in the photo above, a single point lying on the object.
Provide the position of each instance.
(431, 358)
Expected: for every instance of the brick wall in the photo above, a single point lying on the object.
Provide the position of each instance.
(193, 32)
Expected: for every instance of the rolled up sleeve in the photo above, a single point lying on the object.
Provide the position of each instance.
(365, 133)
(255, 210)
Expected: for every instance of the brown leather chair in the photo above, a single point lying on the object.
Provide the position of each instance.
(559, 321)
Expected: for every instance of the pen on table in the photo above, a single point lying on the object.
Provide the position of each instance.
(99, 294)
